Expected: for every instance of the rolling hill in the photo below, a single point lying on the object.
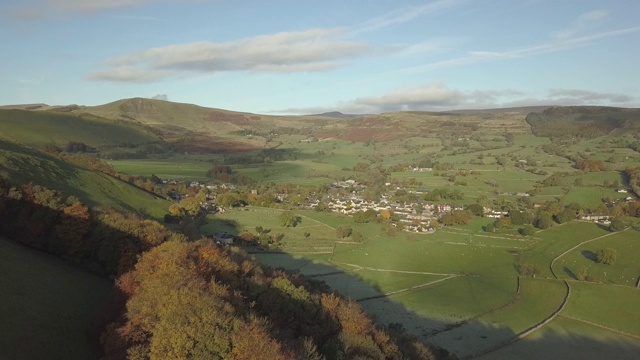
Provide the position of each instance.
(583, 121)
(36, 128)
(21, 164)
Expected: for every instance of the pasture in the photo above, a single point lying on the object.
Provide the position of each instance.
(178, 169)
(458, 288)
(625, 270)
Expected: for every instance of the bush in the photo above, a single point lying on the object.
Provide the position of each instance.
(343, 231)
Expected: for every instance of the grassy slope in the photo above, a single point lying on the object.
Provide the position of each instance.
(57, 328)
(38, 128)
(23, 165)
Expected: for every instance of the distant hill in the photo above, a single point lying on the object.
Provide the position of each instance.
(521, 110)
(20, 164)
(337, 115)
(583, 121)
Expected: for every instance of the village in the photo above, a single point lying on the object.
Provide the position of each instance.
(346, 198)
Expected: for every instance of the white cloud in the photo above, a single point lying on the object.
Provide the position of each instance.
(430, 95)
(310, 50)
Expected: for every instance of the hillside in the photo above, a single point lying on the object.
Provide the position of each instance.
(21, 164)
(583, 121)
(58, 328)
(36, 128)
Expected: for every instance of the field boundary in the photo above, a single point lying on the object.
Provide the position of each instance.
(394, 271)
(602, 326)
(405, 289)
(529, 330)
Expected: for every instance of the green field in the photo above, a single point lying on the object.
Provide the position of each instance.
(558, 239)
(625, 270)
(57, 328)
(177, 169)
(455, 288)
(566, 338)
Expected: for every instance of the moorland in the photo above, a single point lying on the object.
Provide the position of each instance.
(505, 233)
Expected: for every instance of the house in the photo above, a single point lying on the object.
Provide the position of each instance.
(594, 217)
(621, 190)
(222, 238)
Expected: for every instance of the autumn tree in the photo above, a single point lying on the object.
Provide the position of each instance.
(74, 224)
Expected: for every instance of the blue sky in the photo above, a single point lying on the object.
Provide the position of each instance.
(300, 57)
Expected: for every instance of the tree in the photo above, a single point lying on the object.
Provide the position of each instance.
(527, 230)
(544, 221)
(289, 219)
(617, 224)
(343, 231)
(476, 209)
(565, 215)
(190, 205)
(502, 223)
(582, 273)
(606, 256)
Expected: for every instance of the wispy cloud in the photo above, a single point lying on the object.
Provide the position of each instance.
(570, 38)
(404, 15)
(129, 74)
(286, 52)
(555, 45)
(584, 22)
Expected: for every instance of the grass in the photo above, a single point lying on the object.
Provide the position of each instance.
(178, 169)
(47, 306)
(556, 240)
(589, 196)
(537, 300)
(565, 338)
(39, 128)
(321, 238)
(473, 296)
(615, 307)
(624, 271)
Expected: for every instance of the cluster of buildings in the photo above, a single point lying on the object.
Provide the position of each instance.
(414, 217)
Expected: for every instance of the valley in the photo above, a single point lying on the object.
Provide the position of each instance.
(476, 232)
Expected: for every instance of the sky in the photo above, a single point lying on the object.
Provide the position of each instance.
(306, 57)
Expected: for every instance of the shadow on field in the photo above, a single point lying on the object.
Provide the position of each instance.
(466, 339)
(570, 273)
(589, 255)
